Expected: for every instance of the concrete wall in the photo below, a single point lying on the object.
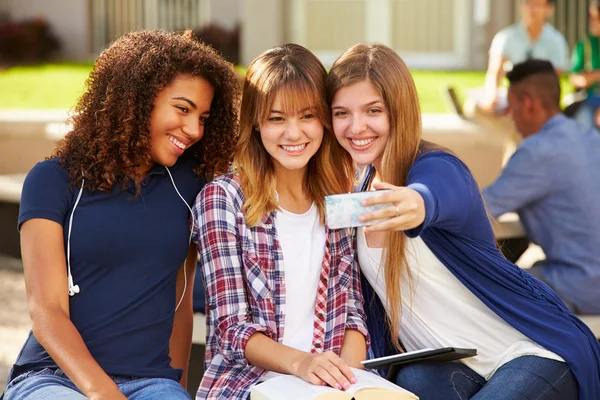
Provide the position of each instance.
(69, 19)
(262, 27)
(263, 24)
(226, 12)
(266, 23)
(501, 13)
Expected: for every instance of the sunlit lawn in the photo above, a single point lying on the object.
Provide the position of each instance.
(46, 86)
(57, 86)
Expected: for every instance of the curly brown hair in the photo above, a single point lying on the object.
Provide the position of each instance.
(111, 122)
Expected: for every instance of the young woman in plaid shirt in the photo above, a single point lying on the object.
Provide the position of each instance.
(283, 292)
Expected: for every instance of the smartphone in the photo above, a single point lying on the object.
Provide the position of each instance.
(343, 210)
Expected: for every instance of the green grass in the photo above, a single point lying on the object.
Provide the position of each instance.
(46, 86)
(431, 83)
(57, 86)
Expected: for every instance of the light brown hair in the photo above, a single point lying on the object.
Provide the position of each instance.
(299, 77)
(389, 74)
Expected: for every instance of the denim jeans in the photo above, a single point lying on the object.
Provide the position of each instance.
(526, 377)
(585, 113)
(54, 384)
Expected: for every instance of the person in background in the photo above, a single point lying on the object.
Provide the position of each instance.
(104, 224)
(532, 37)
(553, 183)
(283, 290)
(433, 276)
(585, 67)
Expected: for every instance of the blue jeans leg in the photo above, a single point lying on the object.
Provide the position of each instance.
(531, 377)
(42, 385)
(585, 114)
(153, 389)
(434, 380)
(54, 384)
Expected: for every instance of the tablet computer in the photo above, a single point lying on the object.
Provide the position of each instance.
(442, 354)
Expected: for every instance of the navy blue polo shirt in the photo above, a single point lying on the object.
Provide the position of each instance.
(125, 254)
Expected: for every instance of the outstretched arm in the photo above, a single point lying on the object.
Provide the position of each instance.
(439, 193)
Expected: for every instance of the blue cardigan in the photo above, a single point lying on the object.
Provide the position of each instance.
(458, 232)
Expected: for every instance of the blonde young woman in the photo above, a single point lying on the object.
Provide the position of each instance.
(432, 269)
(282, 290)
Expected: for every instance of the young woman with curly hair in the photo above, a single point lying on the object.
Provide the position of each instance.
(105, 223)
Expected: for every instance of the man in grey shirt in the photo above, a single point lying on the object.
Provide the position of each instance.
(532, 37)
(553, 183)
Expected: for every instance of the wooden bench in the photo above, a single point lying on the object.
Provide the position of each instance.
(593, 322)
(196, 365)
(199, 335)
(481, 148)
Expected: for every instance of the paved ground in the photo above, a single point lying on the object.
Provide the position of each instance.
(14, 319)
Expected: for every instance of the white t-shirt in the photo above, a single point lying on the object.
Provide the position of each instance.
(302, 241)
(430, 311)
(514, 44)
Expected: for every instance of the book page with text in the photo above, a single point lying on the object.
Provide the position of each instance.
(369, 380)
(293, 387)
(369, 386)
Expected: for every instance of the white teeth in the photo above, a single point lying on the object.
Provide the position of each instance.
(362, 142)
(294, 149)
(177, 143)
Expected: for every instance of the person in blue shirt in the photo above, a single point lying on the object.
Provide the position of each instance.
(585, 68)
(432, 274)
(105, 223)
(532, 37)
(553, 183)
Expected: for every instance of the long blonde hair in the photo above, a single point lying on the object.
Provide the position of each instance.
(387, 72)
(296, 74)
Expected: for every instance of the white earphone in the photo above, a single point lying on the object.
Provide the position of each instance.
(74, 289)
(189, 239)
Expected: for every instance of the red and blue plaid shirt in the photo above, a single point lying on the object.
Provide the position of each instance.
(244, 278)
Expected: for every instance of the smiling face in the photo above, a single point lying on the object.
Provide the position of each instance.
(291, 137)
(536, 12)
(177, 119)
(361, 122)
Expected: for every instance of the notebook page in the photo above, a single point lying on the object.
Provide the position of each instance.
(293, 387)
(369, 380)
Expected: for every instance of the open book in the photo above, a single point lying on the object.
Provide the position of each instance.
(368, 387)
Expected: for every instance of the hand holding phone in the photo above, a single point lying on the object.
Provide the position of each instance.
(407, 210)
(344, 210)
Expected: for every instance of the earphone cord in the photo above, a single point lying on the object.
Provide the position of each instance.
(73, 289)
(189, 240)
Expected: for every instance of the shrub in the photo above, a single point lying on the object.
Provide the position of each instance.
(225, 41)
(26, 41)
